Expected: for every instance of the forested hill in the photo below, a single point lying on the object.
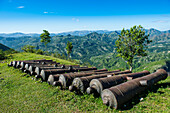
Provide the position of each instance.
(3, 47)
(94, 48)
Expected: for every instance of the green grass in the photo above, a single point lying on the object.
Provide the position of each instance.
(19, 93)
(151, 66)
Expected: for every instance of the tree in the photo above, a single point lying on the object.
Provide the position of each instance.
(132, 43)
(28, 48)
(69, 48)
(45, 37)
(2, 55)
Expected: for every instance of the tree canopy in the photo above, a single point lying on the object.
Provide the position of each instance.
(132, 43)
(45, 37)
(69, 48)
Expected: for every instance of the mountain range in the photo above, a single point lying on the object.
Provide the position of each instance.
(78, 33)
(97, 48)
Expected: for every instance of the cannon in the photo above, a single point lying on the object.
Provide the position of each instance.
(22, 64)
(38, 69)
(10, 64)
(64, 80)
(118, 95)
(32, 68)
(81, 84)
(98, 85)
(18, 65)
(45, 73)
(14, 63)
(27, 65)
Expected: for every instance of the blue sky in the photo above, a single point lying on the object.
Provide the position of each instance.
(32, 16)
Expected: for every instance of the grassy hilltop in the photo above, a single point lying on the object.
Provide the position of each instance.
(19, 93)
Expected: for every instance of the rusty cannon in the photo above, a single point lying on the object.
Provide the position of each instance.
(81, 84)
(45, 73)
(98, 85)
(65, 80)
(18, 65)
(38, 69)
(117, 96)
(23, 63)
(34, 69)
(49, 63)
(10, 64)
(55, 78)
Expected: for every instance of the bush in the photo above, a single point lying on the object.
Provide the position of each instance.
(2, 55)
(29, 48)
(39, 51)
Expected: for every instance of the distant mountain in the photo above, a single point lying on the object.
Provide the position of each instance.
(3, 47)
(18, 34)
(90, 47)
(75, 33)
(151, 31)
(84, 32)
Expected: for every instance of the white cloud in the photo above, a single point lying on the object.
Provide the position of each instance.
(20, 7)
(160, 21)
(45, 12)
(75, 19)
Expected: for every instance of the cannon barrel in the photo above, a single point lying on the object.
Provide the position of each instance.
(118, 95)
(45, 73)
(14, 64)
(23, 63)
(18, 65)
(82, 83)
(27, 65)
(32, 68)
(68, 77)
(98, 85)
(38, 69)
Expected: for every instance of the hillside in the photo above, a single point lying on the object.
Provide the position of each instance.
(3, 47)
(110, 61)
(90, 46)
(19, 93)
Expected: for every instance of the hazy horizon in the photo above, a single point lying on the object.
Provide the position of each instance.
(70, 31)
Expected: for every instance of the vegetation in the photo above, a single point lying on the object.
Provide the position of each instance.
(19, 93)
(5, 52)
(95, 45)
(132, 43)
(110, 61)
(3, 47)
(28, 48)
(69, 48)
(45, 37)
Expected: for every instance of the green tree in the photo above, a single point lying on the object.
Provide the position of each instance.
(29, 48)
(45, 37)
(2, 55)
(69, 48)
(132, 43)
